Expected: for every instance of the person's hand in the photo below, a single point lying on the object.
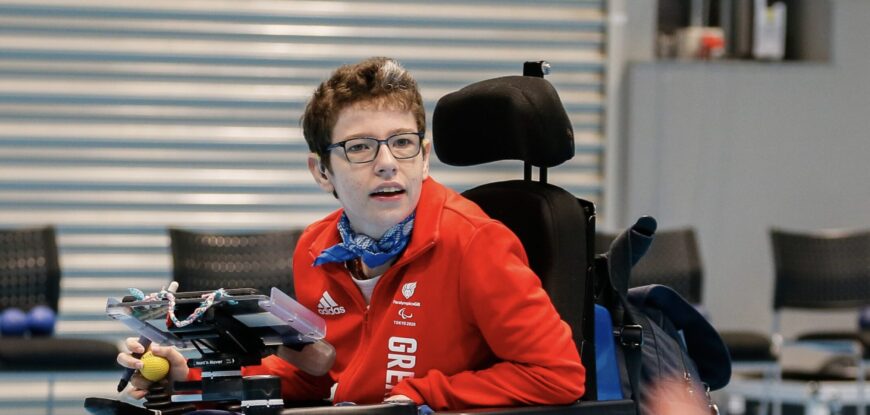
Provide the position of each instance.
(138, 384)
(315, 359)
(398, 398)
(421, 409)
(672, 397)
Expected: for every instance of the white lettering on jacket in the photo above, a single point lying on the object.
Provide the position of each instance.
(402, 357)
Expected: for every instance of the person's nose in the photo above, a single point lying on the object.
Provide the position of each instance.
(385, 163)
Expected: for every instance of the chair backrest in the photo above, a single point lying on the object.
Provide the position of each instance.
(208, 261)
(29, 269)
(30, 276)
(522, 118)
(821, 270)
(673, 259)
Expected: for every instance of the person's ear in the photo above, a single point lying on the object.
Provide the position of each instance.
(427, 149)
(319, 173)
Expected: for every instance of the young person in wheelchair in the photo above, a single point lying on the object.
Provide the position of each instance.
(426, 298)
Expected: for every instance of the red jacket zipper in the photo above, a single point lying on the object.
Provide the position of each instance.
(354, 364)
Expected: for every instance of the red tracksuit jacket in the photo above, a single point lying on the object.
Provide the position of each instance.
(458, 321)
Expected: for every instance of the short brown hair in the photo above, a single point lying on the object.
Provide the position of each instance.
(381, 81)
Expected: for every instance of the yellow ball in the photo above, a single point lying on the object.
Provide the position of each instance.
(154, 367)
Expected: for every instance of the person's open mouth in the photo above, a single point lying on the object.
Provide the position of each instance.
(387, 192)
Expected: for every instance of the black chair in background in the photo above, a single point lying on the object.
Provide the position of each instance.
(674, 259)
(824, 271)
(208, 261)
(30, 276)
(522, 118)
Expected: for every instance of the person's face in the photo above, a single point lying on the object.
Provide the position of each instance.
(381, 193)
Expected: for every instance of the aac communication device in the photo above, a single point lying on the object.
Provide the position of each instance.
(229, 329)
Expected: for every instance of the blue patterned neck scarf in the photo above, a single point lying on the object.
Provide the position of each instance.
(373, 252)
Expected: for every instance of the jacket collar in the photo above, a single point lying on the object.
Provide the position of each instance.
(426, 225)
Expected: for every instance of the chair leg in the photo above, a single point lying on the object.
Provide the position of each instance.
(768, 402)
(772, 383)
(776, 345)
(862, 383)
(51, 390)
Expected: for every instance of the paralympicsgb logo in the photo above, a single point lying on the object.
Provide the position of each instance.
(408, 289)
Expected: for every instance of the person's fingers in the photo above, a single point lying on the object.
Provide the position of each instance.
(139, 382)
(137, 393)
(398, 398)
(177, 363)
(133, 345)
(169, 352)
(128, 361)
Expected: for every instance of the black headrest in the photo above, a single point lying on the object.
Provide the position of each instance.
(508, 118)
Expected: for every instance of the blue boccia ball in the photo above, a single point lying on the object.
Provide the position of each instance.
(13, 322)
(40, 321)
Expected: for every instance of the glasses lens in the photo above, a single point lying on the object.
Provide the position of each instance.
(361, 150)
(404, 146)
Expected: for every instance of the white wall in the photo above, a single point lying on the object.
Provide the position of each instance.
(734, 148)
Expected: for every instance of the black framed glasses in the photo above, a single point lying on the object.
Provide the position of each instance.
(365, 149)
